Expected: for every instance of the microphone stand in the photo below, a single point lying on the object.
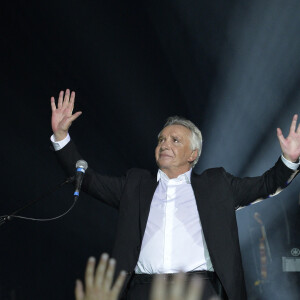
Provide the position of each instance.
(6, 218)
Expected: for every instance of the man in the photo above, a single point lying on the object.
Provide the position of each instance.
(177, 220)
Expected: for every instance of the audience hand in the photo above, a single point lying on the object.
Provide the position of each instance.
(98, 284)
(179, 290)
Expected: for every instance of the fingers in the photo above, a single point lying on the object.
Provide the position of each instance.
(89, 273)
(195, 289)
(79, 293)
(158, 289)
(293, 124)
(66, 98)
(280, 136)
(72, 100)
(298, 129)
(60, 99)
(109, 274)
(53, 106)
(100, 271)
(99, 282)
(118, 285)
(104, 277)
(279, 132)
(177, 289)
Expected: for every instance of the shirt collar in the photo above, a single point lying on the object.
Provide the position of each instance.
(185, 177)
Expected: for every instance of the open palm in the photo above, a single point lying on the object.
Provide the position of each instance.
(62, 116)
(290, 146)
(99, 281)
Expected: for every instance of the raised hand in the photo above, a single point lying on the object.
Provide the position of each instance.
(98, 285)
(290, 146)
(62, 116)
(179, 290)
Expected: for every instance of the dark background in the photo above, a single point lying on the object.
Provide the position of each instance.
(232, 67)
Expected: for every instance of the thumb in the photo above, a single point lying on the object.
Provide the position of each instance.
(75, 116)
(280, 136)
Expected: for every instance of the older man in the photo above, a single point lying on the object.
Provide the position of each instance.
(177, 220)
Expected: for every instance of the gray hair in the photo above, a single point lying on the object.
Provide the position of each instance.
(195, 137)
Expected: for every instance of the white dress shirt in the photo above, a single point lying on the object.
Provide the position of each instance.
(173, 239)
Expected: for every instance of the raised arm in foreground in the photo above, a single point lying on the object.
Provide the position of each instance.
(98, 283)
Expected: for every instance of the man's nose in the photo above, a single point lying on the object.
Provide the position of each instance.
(165, 145)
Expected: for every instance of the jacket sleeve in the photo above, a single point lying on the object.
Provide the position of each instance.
(107, 189)
(252, 189)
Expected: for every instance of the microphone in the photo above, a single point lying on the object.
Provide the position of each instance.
(81, 166)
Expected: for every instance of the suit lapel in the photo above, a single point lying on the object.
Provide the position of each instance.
(147, 189)
(200, 190)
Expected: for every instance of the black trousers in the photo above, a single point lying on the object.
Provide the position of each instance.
(139, 286)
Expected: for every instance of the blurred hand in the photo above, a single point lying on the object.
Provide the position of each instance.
(290, 146)
(62, 116)
(98, 284)
(179, 290)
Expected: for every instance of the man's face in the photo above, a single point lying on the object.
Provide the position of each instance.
(173, 151)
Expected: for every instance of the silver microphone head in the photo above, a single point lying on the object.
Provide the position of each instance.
(82, 164)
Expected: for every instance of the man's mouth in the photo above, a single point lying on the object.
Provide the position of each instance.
(164, 155)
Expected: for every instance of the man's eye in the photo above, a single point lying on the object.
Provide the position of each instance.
(175, 140)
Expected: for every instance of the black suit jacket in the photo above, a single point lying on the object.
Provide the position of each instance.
(218, 194)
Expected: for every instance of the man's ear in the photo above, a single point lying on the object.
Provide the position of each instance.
(193, 156)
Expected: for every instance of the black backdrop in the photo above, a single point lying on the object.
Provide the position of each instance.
(132, 64)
